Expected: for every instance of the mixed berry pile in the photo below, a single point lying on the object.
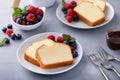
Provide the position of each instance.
(28, 15)
(68, 11)
(66, 39)
(9, 31)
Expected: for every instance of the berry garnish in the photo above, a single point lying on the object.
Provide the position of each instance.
(23, 22)
(7, 41)
(13, 36)
(69, 35)
(19, 20)
(60, 39)
(75, 53)
(66, 42)
(72, 48)
(74, 3)
(69, 19)
(9, 26)
(68, 6)
(40, 12)
(18, 36)
(30, 17)
(32, 9)
(39, 17)
(52, 37)
(14, 19)
(9, 32)
(71, 12)
(64, 10)
(75, 18)
(4, 29)
(73, 44)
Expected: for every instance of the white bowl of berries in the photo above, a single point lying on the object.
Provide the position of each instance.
(28, 18)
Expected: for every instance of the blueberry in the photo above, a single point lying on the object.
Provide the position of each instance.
(65, 12)
(36, 21)
(9, 26)
(66, 42)
(75, 54)
(29, 23)
(13, 36)
(23, 17)
(7, 41)
(64, 9)
(18, 36)
(4, 29)
(39, 17)
(19, 20)
(73, 44)
(75, 18)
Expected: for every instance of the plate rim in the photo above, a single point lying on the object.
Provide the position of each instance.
(97, 26)
(59, 72)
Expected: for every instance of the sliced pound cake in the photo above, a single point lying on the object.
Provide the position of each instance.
(57, 55)
(89, 13)
(100, 3)
(30, 51)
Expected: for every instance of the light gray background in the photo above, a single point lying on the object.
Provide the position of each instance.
(10, 69)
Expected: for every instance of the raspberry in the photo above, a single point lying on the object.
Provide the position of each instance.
(23, 22)
(69, 35)
(72, 48)
(9, 32)
(14, 19)
(52, 37)
(68, 6)
(40, 12)
(60, 39)
(69, 19)
(32, 9)
(71, 13)
(74, 3)
(30, 17)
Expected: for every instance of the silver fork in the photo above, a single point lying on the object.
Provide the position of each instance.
(107, 55)
(97, 61)
(106, 64)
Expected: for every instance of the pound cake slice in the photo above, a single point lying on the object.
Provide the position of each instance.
(57, 55)
(89, 13)
(100, 3)
(30, 52)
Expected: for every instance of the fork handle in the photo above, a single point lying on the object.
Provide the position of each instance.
(103, 73)
(118, 74)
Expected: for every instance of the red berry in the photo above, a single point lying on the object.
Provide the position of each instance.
(30, 17)
(32, 9)
(40, 12)
(69, 19)
(74, 3)
(68, 6)
(14, 19)
(52, 37)
(9, 32)
(71, 48)
(60, 39)
(23, 22)
(71, 13)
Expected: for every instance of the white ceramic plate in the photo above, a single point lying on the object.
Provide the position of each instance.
(109, 14)
(36, 69)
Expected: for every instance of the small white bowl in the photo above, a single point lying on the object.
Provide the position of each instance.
(30, 27)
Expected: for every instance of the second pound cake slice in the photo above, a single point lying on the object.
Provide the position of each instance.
(57, 55)
(89, 13)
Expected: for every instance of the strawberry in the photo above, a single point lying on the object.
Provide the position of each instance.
(52, 37)
(40, 12)
(9, 32)
(60, 39)
(71, 13)
(32, 9)
(68, 6)
(30, 17)
(69, 19)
